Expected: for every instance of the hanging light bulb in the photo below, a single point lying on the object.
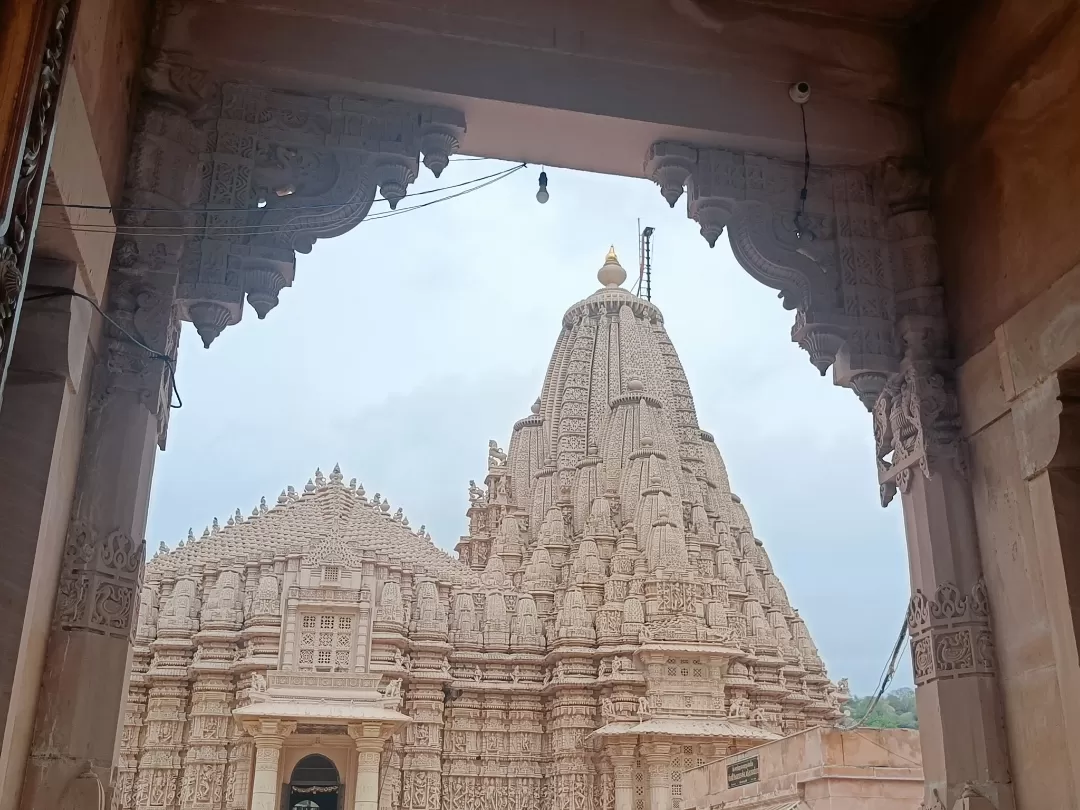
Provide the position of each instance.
(542, 195)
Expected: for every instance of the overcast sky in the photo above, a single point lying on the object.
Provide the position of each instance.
(406, 344)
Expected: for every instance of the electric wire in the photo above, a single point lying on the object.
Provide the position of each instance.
(244, 210)
(800, 216)
(61, 292)
(255, 230)
(886, 675)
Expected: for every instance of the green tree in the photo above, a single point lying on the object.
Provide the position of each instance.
(895, 710)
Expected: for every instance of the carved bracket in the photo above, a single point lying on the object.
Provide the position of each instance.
(916, 425)
(251, 176)
(828, 255)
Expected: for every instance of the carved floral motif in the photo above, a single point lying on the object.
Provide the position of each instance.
(950, 633)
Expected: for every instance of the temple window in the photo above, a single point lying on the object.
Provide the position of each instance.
(326, 643)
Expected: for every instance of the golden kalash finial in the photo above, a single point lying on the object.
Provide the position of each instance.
(612, 273)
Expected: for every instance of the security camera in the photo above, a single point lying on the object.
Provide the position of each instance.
(800, 92)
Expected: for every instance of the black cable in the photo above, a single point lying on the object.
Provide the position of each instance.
(61, 292)
(494, 179)
(157, 209)
(801, 215)
(242, 230)
(886, 674)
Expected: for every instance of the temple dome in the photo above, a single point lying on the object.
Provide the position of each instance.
(329, 521)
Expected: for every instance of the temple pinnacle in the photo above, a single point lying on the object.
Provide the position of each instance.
(612, 274)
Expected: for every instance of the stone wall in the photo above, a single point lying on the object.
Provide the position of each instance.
(1001, 132)
(820, 769)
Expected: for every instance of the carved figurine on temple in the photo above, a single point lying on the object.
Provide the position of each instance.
(476, 494)
(496, 457)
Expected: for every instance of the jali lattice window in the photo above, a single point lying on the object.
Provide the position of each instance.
(326, 643)
(682, 760)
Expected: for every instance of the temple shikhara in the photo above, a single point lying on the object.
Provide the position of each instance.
(610, 620)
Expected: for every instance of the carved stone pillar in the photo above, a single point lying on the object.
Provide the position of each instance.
(921, 455)
(77, 715)
(622, 759)
(369, 746)
(99, 584)
(657, 758)
(421, 776)
(269, 737)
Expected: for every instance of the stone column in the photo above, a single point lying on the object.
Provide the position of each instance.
(622, 759)
(921, 455)
(657, 757)
(369, 745)
(77, 719)
(87, 659)
(269, 737)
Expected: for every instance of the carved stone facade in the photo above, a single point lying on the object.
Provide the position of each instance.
(610, 619)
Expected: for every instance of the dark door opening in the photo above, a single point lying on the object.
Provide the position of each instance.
(315, 785)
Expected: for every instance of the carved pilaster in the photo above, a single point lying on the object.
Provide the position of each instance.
(657, 762)
(920, 454)
(421, 764)
(269, 736)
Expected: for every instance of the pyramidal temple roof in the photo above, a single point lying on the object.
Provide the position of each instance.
(335, 519)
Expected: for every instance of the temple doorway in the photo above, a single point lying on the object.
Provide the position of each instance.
(314, 785)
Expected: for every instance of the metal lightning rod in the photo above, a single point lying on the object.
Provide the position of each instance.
(646, 260)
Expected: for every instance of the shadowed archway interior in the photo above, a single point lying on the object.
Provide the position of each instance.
(315, 784)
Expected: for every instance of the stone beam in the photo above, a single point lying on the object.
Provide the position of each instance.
(580, 85)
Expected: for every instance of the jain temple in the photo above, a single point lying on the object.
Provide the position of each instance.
(609, 621)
